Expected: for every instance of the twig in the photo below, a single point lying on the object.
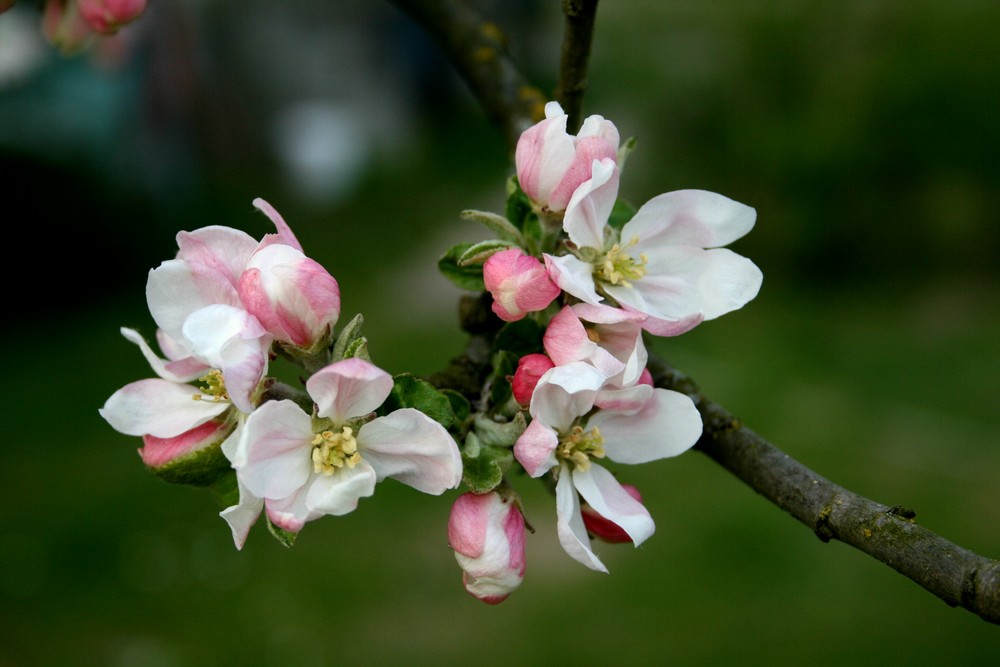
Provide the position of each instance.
(572, 85)
(477, 48)
(888, 534)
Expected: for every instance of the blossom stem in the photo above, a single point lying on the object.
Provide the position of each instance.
(572, 85)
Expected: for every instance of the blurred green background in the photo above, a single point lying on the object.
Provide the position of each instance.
(864, 133)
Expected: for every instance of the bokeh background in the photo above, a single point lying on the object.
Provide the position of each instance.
(864, 133)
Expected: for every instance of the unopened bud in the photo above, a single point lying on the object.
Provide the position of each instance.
(107, 16)
(530, 368)
(487, 533)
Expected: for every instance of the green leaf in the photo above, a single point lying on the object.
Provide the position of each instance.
(479, 252)
(466, 277)
(521, 337)
(409, 391)
(483, 467)
(287, 538)
(518, 206)
(350, 333)
(201, 468)
(358, 348)
(499, 434)
(459, 404)
(624, 151)
(497, 223)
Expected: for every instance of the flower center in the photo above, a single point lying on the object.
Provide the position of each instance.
(214, 387)
(333, 450)
(617, 267)
(579, 445)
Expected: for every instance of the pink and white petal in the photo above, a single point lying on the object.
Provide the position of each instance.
(684, 280)
(543, 153)
(600, 127)
(605, 314)
(156, 452)
(665, 327)
(588, 211)
(215, 254)
(535, 449)
(412, 448)
(285, 234)
(690, 217)
(573, 276)
(339, 493)
(277, 443)
(609, 499)
(242, 516)
(565, 393)
(588, 149)
(290, 513)
(628, 400)
(348, 388)
(569, 523)
(158, 407)
(668, 425)
(183, 370)
(172, 295)
(566, 339)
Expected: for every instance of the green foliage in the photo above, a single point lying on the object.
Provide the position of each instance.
(478, 253)
(409, 391)
(466, 277)
(201, 468)
(483, 466)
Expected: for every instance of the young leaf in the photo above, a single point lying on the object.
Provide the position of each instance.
(483, 467)
(479, 252)
(497, 223)
(286, 538)
(409, 391)
(467, 277)
(350, 332)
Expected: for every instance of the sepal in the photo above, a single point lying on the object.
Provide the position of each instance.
(503, 227)
(484, 466)
(285, 537)
(204, 467)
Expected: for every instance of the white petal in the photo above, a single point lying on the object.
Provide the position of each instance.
(409, 446)
(338, 494)
(683, 281)
(348, 388)
(158, 407)
(668, 425)
(607, 497)
(277, 442)
(569, 523)
(242, 516)
(574, 276)
(162, 367)
(691, 218)
(590, 206)
(564, 393)
(290, 513)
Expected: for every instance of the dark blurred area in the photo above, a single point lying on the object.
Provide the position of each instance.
(864, 133)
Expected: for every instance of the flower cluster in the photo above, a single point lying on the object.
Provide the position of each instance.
(556, 386)
(580, 278)
(225, 307)
(71, 25)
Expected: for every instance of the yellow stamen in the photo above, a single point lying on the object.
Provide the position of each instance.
(332, 451)
(579, 445)
(617, 267)
(214, 387)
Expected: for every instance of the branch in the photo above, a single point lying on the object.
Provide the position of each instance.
(575, 58)
(478, 50)
(888, 534)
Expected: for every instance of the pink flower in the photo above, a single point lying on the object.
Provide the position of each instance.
(551, 164)
(566, 436)
(107, 16)
(305, 466)
(486, 532)
(519, 284)
(610, 339)
(530, 368)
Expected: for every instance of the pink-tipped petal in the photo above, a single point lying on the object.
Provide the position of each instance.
(535, 449)
(284, 231)
(277, 445)
(668, 425)
(412, 448)
(606, 496)
(691, 218)
(157, 452)
(348, 388)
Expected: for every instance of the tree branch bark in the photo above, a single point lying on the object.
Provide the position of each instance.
(888, 534)
(478, 50)
(580, 16)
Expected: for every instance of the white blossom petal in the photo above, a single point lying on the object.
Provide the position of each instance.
(158, 407)
(535, 448)
(569, 523)
(277, 442)
(590, 206)
(339, 493)
(574, 276)
(348, 388)
(178, 370)
(242, 516)
(690, 218)
(668, 425)
(607, 497)
(412, 448)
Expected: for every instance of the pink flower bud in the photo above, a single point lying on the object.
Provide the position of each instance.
(107, 16)
(645, 377)
(519, 283)
(294, 297)
(487, 533)
(551, 164)
(530, 368)
(606, 529)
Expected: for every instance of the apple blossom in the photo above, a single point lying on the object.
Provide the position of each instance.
(566, 435)
(519, 284)
(551, 164)
(107, 16)
(666, 263)
(305, 466)
(611, 341)
(486, 532)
